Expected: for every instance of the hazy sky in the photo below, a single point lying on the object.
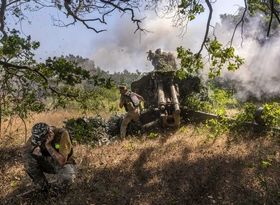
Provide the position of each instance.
(118, 48)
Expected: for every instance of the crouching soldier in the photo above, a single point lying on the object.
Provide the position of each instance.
(49, 150)
(131, 102)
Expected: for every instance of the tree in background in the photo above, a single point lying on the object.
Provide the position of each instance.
(23, 79)
(26, 84)
(95, 14)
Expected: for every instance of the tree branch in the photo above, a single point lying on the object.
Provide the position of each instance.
(133, 19)
(83, 21)
(20, 67)
(207, 25)
(271, 3)
(12, 2)
(2, 16)
(240, 21)
(276, 13)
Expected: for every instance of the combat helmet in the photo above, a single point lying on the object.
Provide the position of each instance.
(122, 86)
(39, 132)
(158, 51)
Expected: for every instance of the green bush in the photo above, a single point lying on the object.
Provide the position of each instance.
(217, 127)
(90, 131)
(247, 114)
(217, 101)
(271, 114)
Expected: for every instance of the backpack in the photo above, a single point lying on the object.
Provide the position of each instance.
(132, 97)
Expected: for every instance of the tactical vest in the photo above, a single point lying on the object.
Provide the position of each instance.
(131, 98)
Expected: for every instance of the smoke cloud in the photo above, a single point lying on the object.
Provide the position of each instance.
(259, 77)
(122, 49)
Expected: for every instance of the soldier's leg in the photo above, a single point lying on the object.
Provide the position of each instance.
(135, 114)
(67, 174)
(35, 171)
(126, 120)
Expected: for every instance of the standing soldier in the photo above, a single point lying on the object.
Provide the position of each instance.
(49, 150)
(131, 102)
(162, 61)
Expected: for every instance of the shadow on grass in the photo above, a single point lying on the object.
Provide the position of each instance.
(214, 179)
(8, 157)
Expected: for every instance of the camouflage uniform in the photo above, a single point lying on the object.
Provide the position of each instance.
(162, 61)
(36, 166)
(133, 112)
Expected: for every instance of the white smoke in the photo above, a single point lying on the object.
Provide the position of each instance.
(259, 77)
(122, 49)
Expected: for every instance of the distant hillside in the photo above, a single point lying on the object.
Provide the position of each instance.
(118, 77)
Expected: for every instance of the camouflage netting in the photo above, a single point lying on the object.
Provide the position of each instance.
(97, 131)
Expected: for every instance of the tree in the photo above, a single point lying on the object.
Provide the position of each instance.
(93, 14)
(22, 76)
(26, 83)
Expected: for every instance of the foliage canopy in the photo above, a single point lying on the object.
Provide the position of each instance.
(24, 81)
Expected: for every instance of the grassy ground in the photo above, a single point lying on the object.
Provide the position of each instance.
(176, 167)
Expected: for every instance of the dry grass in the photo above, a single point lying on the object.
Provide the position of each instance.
(13, 130)
(178, 167)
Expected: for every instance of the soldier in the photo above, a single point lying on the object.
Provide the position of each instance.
(131, 102)
(162, 60)
(155, 58)
(49, 150)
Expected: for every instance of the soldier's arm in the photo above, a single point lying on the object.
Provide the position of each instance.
(54, 154)
(121, 103)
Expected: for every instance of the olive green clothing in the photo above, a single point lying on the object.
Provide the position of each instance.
(133, 112)
(127, 102)
(64, 146)
(37, 165)
(129, 116)
(162, 61)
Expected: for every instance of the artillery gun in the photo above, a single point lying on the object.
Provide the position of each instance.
(164, 94)
(161, 98)
(163, 90)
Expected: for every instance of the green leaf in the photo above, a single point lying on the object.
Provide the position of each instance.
(265, 164)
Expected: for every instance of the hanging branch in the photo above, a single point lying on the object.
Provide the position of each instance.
(133, 19)
(25, 128)
(83, 21)
(240, 21)
(2, 16)
(9, 65)
(271, 4)
(274, 12)
(207, 25)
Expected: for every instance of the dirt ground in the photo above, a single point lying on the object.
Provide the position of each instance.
(177, 167)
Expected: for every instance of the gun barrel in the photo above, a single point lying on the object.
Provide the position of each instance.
(175, 98)
(161, 96)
